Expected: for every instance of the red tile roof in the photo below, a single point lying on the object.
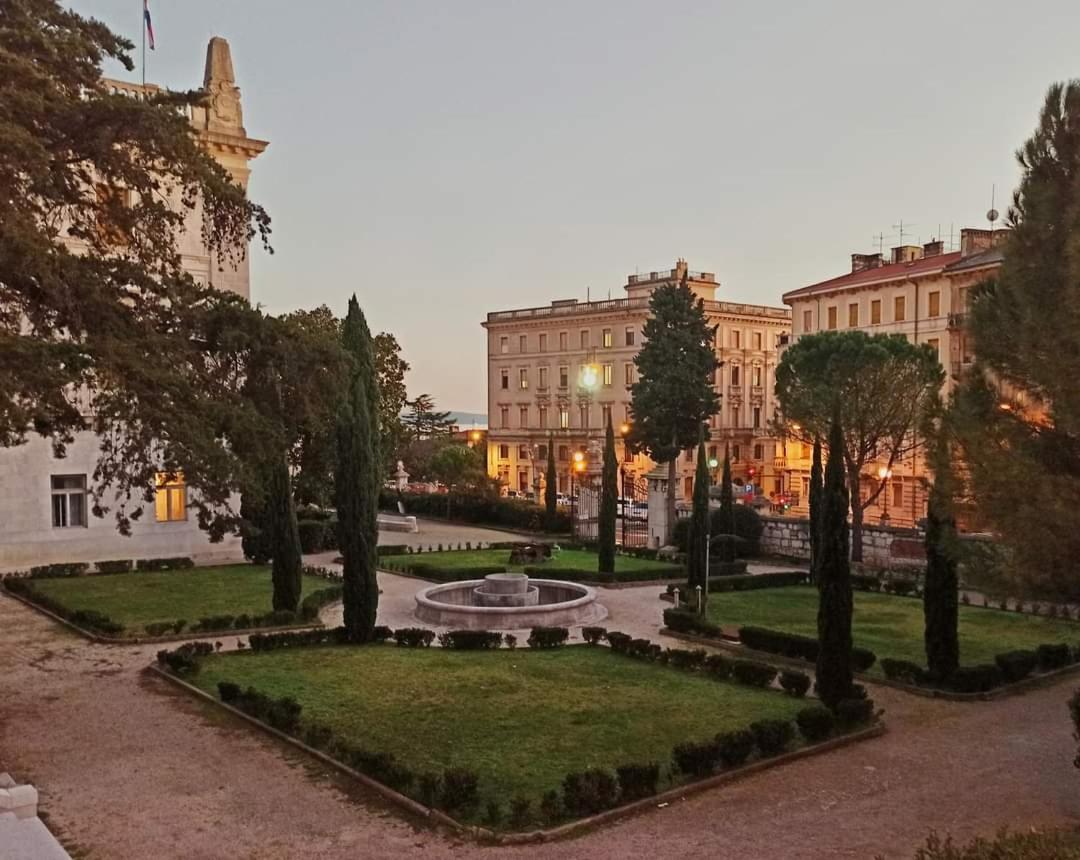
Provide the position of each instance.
(881, 274)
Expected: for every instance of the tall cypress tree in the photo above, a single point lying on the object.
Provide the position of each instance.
(940, 604)
(284, 537)
(697, 555)
(834, 673)
(551, 483)
(609, 495)
(357, 480)
(727, 511)
(815, 510)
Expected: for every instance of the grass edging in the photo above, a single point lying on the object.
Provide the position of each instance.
(153, 640)
(1014, 689)
(545, 834)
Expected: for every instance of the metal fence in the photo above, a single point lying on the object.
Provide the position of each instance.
(632, 512)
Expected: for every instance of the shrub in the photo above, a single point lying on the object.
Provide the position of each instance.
(800, 647)
(429, 788)
(228, 691)
(637, 781)
(901, 587)
(748, 527)
(815, 722)
(548, 637)
(316, 600)
(681, 658)
(551, 807)
(413, 637)
(284, 714)
(902, 670)
(96, 621)
(179, 625)
(683, 621)
(718, 666)
(696, 759)
(795, 683)
(185, 659)
(494, 814)
(459, 789)
(1036, 845)
(734, 748)
(380, 633)
(470, 640)
(1015, 665)
(511, 640)
(121, 565)
(976, 679)
(593, 635)
(772, 736)
(854, 712)
(589, 792)
(174, 563)
(67, 568)
(619, 642)
(158, 628)
(1053, 656)
(865, 582)
(753, 673)
(317, 535)
(520, 811)
(212, 623)
(297, 638)
(478, 508)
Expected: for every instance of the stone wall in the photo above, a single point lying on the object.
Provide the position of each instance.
(883, 546)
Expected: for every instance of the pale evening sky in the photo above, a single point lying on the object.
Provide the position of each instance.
(443, 160)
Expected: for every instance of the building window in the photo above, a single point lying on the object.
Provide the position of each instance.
(757, 416)
(607, 338)
(934, 300)
(688, 487)
(541, 452)
(757, 340)
(966, 355)
(629, 371)
(562, 341)
(543, 417)
(543, 377)
(759, 451)
(689, 455)
(609, 374)
(504, 452)
(564, 418)
(543, 343)
(629, 336)
(564, 453)
(68, 501)
(736, 338)
(807, 320)
(898, 494)
(523, 343)
(734, 415)
(605, 414)
(170, 497)
(899, 309)
(523, 378)
(583, 414)
(504, 379)
(757, 375)
(564, 376)
(712, 452)
(963, 297)
(523, 416)
(832, 317)
(504, 345)
(875, 312)
(504, 416)
(584, 338)
(735, 454)
(523, 452)
(853, 315)
(735, 374)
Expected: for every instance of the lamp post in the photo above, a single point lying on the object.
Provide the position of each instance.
(713, 463)
(885, 474)
(624, 429)
(577, 466)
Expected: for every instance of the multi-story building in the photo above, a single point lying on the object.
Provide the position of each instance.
(45, 507)
(921, 292)
(558, 372)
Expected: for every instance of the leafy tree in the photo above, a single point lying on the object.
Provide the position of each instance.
(697, 558)
(609, 495)
(551, 483)
(424, 421)
(674, 394)
(95, 189)
(881, 387)
(1018, 410)
(357, 480)
(834, 673)
(815, 509)
(458, 467)
(940, 603)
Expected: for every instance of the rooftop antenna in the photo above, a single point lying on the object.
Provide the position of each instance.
(880, 239)
(952, 244)
(900, 227)
(992, 214)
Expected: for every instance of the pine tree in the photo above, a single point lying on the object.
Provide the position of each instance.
(727, 511)
(287, 562)
(698, 554)
(609, 495)
(674, 394)
(940, 596)
(834, 673)
(551, 484)
(356, 485)
(815, 510)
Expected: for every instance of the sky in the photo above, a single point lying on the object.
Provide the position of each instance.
(445, 160)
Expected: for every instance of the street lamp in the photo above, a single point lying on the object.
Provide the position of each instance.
(590, 376)
(884, 474)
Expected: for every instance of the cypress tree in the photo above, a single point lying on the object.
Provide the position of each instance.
(940, 604)
(357, 480)
(697, 555)
(608, 504)
(834, 673)
(727, 510)
(815, 510)
(551, 483)
(284, 537)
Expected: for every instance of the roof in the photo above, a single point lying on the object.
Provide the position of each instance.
(880, 274)
(989, 257)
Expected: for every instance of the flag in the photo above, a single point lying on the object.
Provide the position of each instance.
(149, 26)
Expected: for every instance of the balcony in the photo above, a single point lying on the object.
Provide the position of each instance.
(957, 321)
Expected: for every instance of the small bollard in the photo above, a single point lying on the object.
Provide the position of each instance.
(675, 596)
(699, 606)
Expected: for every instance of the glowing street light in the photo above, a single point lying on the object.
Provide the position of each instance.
(590, 376)
(624, 428)
(713, 462)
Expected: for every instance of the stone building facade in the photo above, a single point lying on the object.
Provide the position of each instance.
(922, 292)
(45, 512)
(557, 372)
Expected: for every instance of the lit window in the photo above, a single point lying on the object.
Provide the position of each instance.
(934, 300)
(564, 419)
(875, 312)
(628, 369)
(607, 338)
(757, 375)
(899, 309)
(68, 501)
(609, 374)
(853, 315)
(712, 452)
(170, 497)
(832, 317)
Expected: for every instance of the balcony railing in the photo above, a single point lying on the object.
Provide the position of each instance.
(957, 320)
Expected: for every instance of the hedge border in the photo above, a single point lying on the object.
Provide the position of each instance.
(571, 828)
(1015, 688)
(153, 640)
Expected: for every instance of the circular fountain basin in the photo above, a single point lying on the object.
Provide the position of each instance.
(508, 601)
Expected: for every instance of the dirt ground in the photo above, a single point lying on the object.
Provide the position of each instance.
(128, 767)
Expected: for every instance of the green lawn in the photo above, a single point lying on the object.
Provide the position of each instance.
(890, 626)
(141, 598)
(567, 559)
(520, 719)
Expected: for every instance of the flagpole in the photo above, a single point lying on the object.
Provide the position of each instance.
(142, 29)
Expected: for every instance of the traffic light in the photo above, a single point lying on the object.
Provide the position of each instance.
(751, 472)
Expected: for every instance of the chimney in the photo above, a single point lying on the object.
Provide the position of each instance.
(906, 253)
(680, 269)
(861, 262)
(973, 240)
(933, 248)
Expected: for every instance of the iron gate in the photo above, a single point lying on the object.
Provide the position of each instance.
(631, 517)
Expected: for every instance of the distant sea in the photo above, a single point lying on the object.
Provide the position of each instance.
(468, 420)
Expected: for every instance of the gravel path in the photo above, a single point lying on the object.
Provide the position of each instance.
(130, 768)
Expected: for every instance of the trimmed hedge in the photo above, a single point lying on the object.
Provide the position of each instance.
(122, 565)
(179, 562)
(317, 535)
(748, 527)
(683, 621)
(800, 647)
(753, 673)
(772, 736)
(548, 637)
(67, 568)
(752, 581)
(815, 722)
(414, 637)
(433, 572)
(89, 619)
(1017, 665)
(471, 640)
(794, 683)
(902, 670)
(474, 508)
(577, 574)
